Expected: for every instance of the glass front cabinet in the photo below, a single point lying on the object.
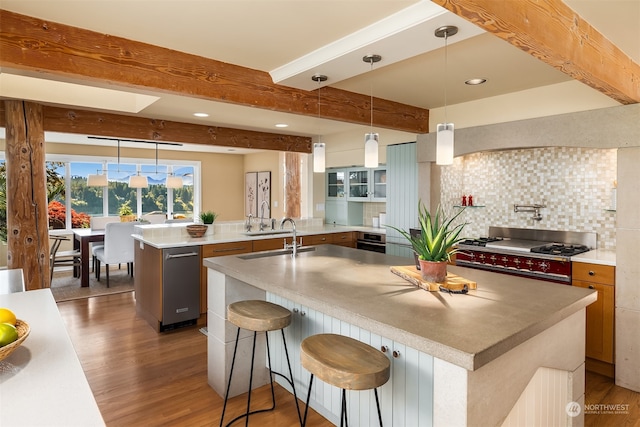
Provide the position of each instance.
(367, 185)
(336, 181)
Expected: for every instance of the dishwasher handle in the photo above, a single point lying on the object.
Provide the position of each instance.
(184, 255)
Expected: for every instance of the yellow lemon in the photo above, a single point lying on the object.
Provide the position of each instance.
(8, 334)
(7, 316)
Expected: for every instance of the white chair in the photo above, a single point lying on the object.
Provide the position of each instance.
(99, 223)
(118, 247)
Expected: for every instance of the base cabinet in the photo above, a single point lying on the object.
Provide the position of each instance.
(600, 314)
(405, 400)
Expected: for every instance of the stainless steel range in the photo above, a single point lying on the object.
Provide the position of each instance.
(541, 254)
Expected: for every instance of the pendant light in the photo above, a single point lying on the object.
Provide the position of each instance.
(319, 147)
(174, 181)
(97, 180)
(444, 131)
(371, 139)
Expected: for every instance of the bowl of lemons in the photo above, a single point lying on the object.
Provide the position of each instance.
(13, 332)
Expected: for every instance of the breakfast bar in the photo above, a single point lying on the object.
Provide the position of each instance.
(462, 359)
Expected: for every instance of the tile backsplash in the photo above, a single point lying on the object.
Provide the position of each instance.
(575, 184)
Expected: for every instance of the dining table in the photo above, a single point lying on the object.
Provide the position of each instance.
(82, 238)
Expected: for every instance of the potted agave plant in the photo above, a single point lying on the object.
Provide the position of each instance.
(434, 245)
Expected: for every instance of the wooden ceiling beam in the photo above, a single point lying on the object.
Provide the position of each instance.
(68, 52)
(128, 127)
(552, 32)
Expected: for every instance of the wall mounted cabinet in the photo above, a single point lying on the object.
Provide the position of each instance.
(357, 184)
(367, 185)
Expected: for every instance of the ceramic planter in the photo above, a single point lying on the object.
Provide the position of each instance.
(433, 271)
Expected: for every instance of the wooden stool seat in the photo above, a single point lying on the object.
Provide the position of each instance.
(344, 362)
(259, 316)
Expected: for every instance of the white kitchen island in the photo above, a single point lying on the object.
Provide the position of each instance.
(510, 351)
(42, 382)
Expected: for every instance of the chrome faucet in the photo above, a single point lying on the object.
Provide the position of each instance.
(247, 225)
(262, 224)
(294, 244)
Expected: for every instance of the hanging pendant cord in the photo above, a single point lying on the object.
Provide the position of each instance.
(446, 35)
(371, 91)
(156, 160)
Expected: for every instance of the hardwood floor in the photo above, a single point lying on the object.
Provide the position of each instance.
(142, 378)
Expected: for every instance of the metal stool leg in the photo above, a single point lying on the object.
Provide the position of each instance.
(375, 391)
(306, 409)
(233, 362)
(343, 412)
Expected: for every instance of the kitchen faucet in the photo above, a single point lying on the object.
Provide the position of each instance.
(248, 224)
(262, 224)
(294, 244)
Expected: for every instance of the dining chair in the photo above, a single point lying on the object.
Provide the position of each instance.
(58, 258)
(99, 223)
(118, 247)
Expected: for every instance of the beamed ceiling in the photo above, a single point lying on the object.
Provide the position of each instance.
(220, 57)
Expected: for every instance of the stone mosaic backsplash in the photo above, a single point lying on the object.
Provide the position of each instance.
(575, 184)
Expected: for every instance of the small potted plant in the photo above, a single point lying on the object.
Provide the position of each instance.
(208, 217)
(434, 245)
(126, 213)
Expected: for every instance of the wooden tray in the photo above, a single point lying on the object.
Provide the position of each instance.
(412, 275)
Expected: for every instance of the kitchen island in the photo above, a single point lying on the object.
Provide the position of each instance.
(464, 360)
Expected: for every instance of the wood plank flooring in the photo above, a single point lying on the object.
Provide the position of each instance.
(142, 378)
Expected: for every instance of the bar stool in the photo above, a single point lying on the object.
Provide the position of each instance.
(346, 363)
(259, 316)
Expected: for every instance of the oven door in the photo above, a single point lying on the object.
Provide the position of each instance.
(374, 242)
(371, 246)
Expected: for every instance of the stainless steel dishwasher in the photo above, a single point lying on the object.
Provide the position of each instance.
(181, 286)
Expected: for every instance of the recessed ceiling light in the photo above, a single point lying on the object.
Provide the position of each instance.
(477, 81)
(201, 114)
(282, 125)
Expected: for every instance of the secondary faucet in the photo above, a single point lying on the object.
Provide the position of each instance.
(262, 224)
(294, 244)
(247, 226)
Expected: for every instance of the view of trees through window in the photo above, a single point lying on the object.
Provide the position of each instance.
(67, 187)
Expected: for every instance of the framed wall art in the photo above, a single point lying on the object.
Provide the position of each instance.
(264, 194)
(250, 194)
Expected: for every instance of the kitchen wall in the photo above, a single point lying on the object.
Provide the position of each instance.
(370, 210)
(574, 183)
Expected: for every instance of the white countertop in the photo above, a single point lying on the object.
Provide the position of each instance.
(358, 287)
(42, 382)
(596, 256)
(163, 236)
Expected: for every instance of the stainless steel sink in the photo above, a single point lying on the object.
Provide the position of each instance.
(276, 252)
(266, 232)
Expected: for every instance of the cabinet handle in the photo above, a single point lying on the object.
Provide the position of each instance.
(591, 287)
(384, 348)
(303, 313)
(592, 273)
(295, 310)
(396, 354)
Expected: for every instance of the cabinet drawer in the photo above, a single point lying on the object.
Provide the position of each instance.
(268, 244)
(230, 248)
(345, 237)
(316, 239)
(598, 273)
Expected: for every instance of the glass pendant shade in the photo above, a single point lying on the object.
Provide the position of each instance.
(371, 150)
(318, 157)
(138, 181)
(444, 144)
(96, 180)
(174, 182)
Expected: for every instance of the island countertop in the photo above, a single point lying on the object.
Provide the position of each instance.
(163, 236)
(358, 287)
